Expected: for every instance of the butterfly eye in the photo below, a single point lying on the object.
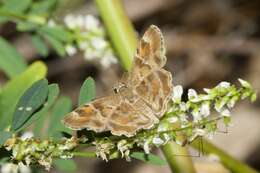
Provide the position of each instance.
(116, 90)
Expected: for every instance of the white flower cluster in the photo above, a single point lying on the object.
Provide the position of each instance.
(90, 39)
(15, 168)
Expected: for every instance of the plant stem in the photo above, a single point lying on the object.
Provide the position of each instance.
(119, 29)
(227, 160)
(178, 164)
(124, 39)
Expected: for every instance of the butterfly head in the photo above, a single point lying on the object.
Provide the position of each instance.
(124, 91)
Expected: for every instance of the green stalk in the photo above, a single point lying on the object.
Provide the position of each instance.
(178, 164)
(124, 39)
(232, 164)
(120, 30)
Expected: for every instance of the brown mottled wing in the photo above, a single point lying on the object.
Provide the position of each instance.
(148, 78)
(111, 114)
(93, 115)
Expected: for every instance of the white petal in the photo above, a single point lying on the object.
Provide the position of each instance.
(205, 109)
(192, 94)
(71, 50)
(157, 140)
(177, 92)
(23, 168)
(225, 113)
(244, 83)
(173, 119)
(224, 84)
(90, 22)
(26, 135)
(9, 168)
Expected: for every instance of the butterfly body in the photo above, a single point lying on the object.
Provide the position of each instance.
(139, 100)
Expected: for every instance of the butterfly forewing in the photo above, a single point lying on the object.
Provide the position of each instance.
(142, 99)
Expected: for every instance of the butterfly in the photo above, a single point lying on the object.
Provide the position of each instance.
(139, 99)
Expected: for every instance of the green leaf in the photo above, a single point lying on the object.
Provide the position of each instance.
(56, 44)
(11, 62)
(52, 96)
(65, 165)
(87, 91)
(4, 136)
(31, 101)
(58, 33)
(43, 7)
(26, 26)
(59, 110)
(16, 7)
(39, 44)
(15, 88)
(148, 158)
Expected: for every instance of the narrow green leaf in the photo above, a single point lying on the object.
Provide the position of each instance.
(43, 7)
(4, 136)
(87, 91)
(24, 26)
(52, 96)
(39, 44)
(56, 44)
(15, 88)
(149, 158)
(59, 110)
(11, 62)
(58, 33)
(32, 99)
(65, 165)
(15, 6)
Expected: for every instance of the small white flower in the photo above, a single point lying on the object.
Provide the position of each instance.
(207, 90)
(173, 119)
(71, 50)
(90, 54)
(177, 93)
(99, 43)
(205, 109)
(224, 84)
(107, 60)
(183, 118)
(83, 45)
(147, 147)
(244, 83)
(27, 135)
(219, 105)
(166, 137)
(197, 133)
(79, 21)
(162, 127)
(183, 106)
(23, 168)
(51, 23)
(192, 95)
(196, 116)
(70, 22)
(9, 168)
(225, 113)
(90, 22)
(157, 141)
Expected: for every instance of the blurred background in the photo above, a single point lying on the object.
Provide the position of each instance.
(207, 41)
